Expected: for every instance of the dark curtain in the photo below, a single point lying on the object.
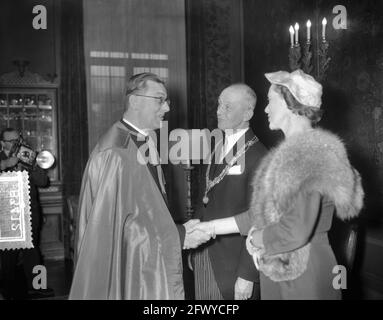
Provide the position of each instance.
(73, 111)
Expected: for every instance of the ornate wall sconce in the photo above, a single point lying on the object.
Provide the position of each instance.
(305, 61)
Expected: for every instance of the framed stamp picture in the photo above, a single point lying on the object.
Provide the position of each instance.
(15, 212)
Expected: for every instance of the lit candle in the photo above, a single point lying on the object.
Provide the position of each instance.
(291, 36)
(308, 24)
(296, 27)
(324, 22)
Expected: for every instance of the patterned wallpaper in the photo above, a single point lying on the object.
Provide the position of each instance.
(217, 40)
(214, 40)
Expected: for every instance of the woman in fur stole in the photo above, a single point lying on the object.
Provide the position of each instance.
(296, 190)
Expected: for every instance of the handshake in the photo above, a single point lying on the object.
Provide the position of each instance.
(198, 233)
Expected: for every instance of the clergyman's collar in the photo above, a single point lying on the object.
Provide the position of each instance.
(135, 127)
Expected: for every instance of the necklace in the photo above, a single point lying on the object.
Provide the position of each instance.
(211, 183)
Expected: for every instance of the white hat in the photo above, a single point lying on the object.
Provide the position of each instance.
(302, 86)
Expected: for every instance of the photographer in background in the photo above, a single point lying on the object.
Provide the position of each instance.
(14, 286)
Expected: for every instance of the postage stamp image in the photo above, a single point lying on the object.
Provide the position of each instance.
(15, 212)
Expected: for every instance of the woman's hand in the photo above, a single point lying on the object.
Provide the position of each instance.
(249, 243)
(256, 237)
(254, 245)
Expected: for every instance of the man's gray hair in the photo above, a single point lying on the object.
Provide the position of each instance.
(247, 94)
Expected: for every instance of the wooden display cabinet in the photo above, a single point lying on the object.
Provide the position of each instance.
(29, 103)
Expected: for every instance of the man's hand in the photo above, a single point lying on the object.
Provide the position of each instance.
(190, 224)
(194, 237)
(206, 227)
(9, 163)
(243, 289)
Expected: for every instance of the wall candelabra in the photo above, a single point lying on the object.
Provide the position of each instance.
(302, 57)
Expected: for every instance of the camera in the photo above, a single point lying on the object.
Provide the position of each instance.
(29, 158)
(23, 152)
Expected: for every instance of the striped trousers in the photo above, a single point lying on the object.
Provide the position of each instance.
(206, 287)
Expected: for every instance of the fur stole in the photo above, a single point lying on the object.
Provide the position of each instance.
(315, 161)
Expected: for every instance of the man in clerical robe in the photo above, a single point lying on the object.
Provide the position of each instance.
(127, 245)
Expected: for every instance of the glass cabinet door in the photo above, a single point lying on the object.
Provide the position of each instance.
(33, 113)
(3, 111)
(46, 124)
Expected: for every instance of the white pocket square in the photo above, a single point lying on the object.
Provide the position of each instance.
(235, 170)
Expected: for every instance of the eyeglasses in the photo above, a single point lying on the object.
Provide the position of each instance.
(162, 99)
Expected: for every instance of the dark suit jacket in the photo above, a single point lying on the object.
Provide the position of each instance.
(228, 254)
